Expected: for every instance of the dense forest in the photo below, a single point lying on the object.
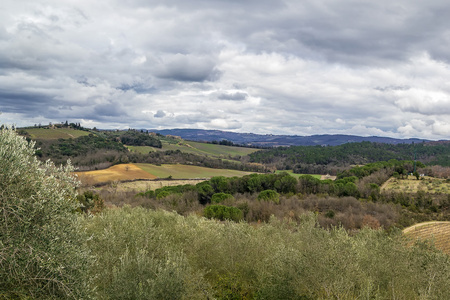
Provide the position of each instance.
(332, 159)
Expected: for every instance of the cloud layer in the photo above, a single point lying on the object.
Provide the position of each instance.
(282, 67)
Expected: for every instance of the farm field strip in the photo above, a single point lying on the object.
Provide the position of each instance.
(295, 175)
(178, 171)
(53, 134)
(114, 173)
(437, 232)
(221, 150)
(213, 150)
(124, 172)
(136, 186)
(412, 185)
(141, 149)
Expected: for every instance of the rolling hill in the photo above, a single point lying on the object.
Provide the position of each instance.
(270, 140)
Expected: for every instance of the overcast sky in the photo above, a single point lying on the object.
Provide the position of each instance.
(281, 67)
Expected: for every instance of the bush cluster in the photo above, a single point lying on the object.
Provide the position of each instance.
(42, 253)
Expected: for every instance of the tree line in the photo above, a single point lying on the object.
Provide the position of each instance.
(317, 159)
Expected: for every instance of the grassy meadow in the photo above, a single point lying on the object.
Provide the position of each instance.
(412, 185)
(204, 149)
(141, 149)
(53, 134)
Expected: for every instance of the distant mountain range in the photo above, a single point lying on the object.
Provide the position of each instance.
(270, 140)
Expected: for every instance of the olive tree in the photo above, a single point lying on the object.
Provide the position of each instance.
(41, 244)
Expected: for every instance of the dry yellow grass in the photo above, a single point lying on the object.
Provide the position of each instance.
(412, 185)
(436, 232)
(115, 173)
(142, 186)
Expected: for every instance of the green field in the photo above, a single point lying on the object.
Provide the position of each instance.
(141, 149)
(211, 150)
(188, 172)
(52, 134)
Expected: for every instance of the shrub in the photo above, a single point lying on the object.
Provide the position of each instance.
(90, 202)
(41, 246)
(223, 213)
(220, 197)
(270, 196)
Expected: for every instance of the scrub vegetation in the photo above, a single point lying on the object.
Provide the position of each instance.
(252, 236)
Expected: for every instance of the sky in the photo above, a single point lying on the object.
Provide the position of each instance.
(270, 67)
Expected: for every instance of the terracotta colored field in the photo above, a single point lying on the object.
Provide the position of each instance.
(436, 232)
(115, 173)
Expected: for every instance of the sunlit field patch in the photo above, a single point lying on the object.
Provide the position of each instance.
(115, 173)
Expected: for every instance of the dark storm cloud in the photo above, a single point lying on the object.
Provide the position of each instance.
(188, 68)
(233, 96)
(22, 102)
(159, 114)
(109, 110)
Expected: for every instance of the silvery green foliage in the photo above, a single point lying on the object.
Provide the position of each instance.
(41, 253)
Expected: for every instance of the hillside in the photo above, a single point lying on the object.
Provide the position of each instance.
(320, 160)
(93, 149)
(127, 172)
(437, 233)
(271, 140)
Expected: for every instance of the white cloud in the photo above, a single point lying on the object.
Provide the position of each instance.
(284, 67)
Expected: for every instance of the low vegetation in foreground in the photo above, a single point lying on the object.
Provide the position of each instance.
(55, 244)
(162, 255)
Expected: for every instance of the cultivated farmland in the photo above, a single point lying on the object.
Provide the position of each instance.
(204, 149)
(53, 134)
(124, 172)
(115, 173)
(177, 171)
(412, 185)
(435, 232)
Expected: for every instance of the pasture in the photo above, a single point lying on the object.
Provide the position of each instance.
(204, 149)
(56, 133)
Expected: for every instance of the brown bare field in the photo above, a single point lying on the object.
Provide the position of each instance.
(115, 173)
(436, 232)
